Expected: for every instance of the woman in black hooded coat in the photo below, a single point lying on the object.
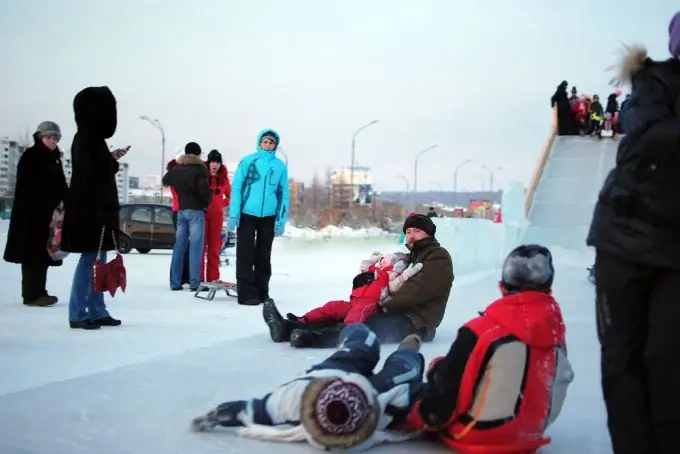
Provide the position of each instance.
(40, 188)
(92, 205)
(565, 117)
(636, 233)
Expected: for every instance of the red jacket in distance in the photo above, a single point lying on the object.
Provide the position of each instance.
(363, 302)
(175, 200)
(221, 189)
(504, 380)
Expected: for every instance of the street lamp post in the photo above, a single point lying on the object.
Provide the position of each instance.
(415, 172)
(455, 179)
(491, 175)
(405, 180)
(157, 124)
(352, 160)
(438, 184)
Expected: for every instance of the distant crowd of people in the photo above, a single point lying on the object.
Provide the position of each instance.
(580, 114)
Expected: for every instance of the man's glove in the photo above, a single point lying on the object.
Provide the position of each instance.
(232, 224)
(279, 228)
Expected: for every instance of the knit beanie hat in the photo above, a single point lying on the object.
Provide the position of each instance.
(422, 222)
(271, 136)
(674, 35)
(338, 413)
(192, 148)
(48, 129)
(214, 156)
(528, 267)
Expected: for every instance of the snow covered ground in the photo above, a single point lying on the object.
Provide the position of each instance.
(133, 389)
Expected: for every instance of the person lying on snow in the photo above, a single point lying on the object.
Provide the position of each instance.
(505, 378)
(339, 403)
(417, 307)
(381, 276)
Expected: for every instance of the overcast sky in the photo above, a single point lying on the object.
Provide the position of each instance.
(474, 77)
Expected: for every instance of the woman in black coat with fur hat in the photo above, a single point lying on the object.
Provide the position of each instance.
(40, 188)
(636, 234)
(92, 205)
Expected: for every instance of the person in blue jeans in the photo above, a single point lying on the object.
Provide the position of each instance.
(189, 179)
(91, 203)
(190, 228)
(258, 209)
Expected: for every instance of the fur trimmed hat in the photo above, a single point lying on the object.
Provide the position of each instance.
(528, 267)
(48, 129)
(422, 222)
(338, 413)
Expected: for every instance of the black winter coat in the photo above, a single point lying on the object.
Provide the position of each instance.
(189, 179)
(637, 216)
(565, 118)
(92, 203)
(40, 187)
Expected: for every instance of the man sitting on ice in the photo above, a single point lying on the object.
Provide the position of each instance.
(417, 306)
(339, 403)
(505, 378)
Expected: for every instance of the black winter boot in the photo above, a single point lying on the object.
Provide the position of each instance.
(226, 415)
(279, 327)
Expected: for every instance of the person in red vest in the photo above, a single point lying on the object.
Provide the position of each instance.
(218, 179)
(505, 378)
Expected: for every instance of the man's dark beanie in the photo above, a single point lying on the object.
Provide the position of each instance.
(192, 148)
(422, 222)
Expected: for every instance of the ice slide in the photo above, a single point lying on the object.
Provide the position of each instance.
(561, 207)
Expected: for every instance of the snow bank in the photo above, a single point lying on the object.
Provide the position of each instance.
(334, 232)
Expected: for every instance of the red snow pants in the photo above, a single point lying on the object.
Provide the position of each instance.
(212, 243)
(363, 303)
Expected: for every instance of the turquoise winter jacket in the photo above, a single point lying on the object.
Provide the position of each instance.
(260, 185)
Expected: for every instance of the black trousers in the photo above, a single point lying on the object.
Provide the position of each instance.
(185, 270)
(253, 257)
(33, 281)
(638, 324)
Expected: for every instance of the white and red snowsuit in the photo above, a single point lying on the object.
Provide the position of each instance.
(214, 218)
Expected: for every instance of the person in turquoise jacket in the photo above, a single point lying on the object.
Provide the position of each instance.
(258, 211)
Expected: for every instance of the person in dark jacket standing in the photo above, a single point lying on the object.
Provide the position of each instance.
(40, 188)
(189, 179)
(636, 233)
(91, 219)
(565, 118)
(259, 209)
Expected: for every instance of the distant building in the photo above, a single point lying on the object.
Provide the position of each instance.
(346, 188)
(134, 182)
(10, 152)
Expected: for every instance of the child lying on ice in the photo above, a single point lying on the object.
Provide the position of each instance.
(381, 275)
(339, 403)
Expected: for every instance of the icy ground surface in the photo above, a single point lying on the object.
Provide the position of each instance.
(134, 389)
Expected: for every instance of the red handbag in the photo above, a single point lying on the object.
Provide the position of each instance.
(108, 277)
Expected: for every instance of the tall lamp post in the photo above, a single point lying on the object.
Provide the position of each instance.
(352, 160)
(157, 124)
(415, 172)
(455, 179)
(491, 175)
(438, 184)
(408, 187)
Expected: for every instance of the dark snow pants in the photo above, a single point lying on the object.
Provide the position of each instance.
(254, 240)
(638, 324)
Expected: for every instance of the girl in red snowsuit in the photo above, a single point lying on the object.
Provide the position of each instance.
(377, 280)
(214, 217)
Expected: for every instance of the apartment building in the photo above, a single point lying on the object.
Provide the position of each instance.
(122, 178)
(10, 152)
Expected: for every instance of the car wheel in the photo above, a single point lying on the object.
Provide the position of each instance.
(143, 250)
(124, 244)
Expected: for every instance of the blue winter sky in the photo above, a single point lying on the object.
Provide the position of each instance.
(474, 77)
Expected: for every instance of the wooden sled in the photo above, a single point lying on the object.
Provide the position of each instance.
(212, 287)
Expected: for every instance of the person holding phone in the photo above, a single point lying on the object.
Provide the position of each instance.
(91, 205)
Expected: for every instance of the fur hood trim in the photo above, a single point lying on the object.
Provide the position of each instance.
(190, 159)
(633, 59)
